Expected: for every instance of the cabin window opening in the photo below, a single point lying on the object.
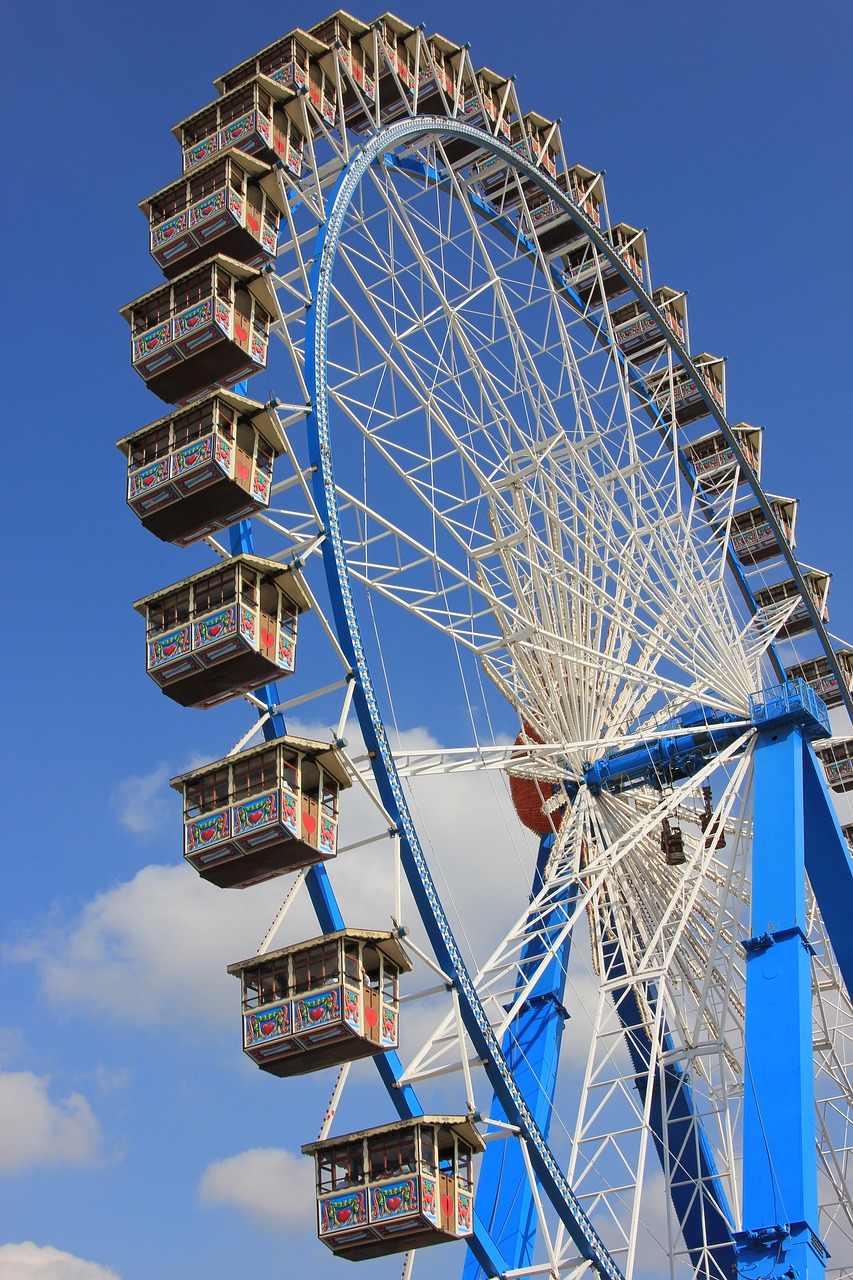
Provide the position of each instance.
(251, 988)
(223, 286)
(191, 291)
(463, 1168)
(370, 971)
(264, 458)
(389, 983)
(219, 589)
(246, 436)
(351, 964)
(428, 1148)
(152, 312)
(193, 425)
(316, 967)
(341, 1167)
(227, 416)
(258, 773)
(269, 982)
(391, 1154)
(269, 599)
(169, 204)
(276, 58)
(208, 792)
(310, 777)
(247, 588)
(151, 446)
(169, 611)
(238, 105)
(330, 796)
(209, 181)
(290, 772)
(201, 127)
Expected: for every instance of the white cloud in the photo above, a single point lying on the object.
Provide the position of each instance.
(152, 950)
(144, 803)
(271, 1185)
(28, 1261)
(37, 1131)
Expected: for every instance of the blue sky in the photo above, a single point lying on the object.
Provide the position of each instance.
(724, 129)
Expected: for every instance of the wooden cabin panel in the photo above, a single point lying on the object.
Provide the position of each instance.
(837, 761)
(181, 360)
(822, 679)
(756, 543)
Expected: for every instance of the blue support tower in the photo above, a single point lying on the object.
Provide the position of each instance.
(532, 1048)
(780, 1210)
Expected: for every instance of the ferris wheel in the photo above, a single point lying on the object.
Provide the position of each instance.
(512, 501)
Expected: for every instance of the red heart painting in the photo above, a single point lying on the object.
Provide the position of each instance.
(316, 1014)
(240, 334)
(446, 1206)
(309, 823)
(393, 1203)
(215, 629)
(267, 638)
(268, 1027)
(342, 1216)
(169, 649)
(242, 471)
(371, 1017)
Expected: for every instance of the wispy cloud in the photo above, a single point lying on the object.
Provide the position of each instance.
(28, 1261)
(37, 1131)
(144, 803)
(270, 1185)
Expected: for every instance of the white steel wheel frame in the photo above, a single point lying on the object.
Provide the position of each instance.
(487, 462)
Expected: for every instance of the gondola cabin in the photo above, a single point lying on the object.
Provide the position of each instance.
(286, 61)
(538, 140)
(395, 64)
(713, 460)
(322, 1003)
(225, 631)
(263, 812)
(754, 540)
(588, 272)
(837, 760)
(586, 189)
(201, 469)
(781, 593)
(344, 37)
(684, 398)
(397, 1187)
(260, 117)
(208, 328)
(485, 102)
(231, 205)
(436, 63)
(672, 844)
(554, 228)
(638, 335)
(818, 673)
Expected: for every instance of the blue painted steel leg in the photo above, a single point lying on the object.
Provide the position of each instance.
(532, 1049)
(780, 1217)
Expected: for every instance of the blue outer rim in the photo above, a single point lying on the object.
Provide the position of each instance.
(414, 863)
